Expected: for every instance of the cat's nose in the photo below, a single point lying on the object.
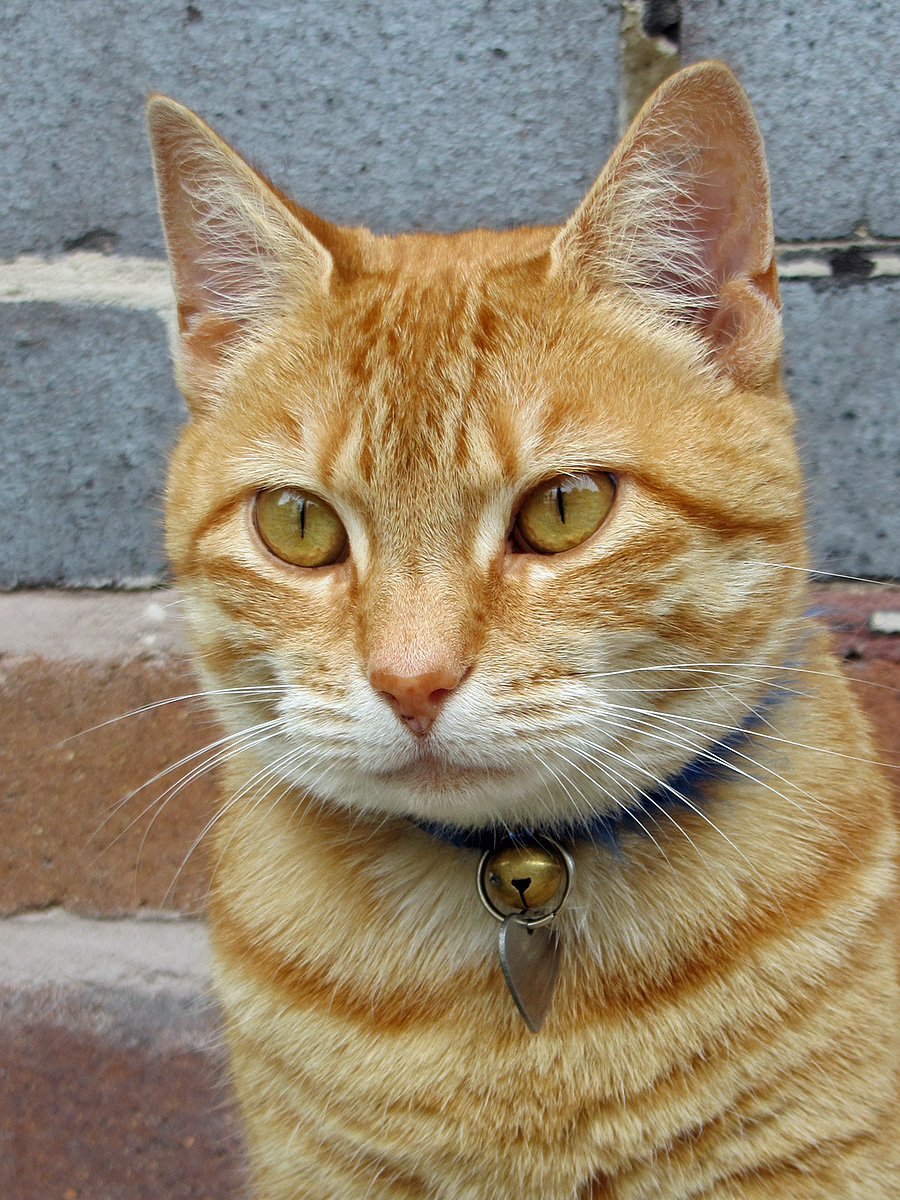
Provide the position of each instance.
(417, 699)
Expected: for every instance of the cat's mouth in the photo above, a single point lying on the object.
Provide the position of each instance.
(457, 780)
(428, 770)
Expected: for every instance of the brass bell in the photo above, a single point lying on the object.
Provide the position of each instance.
(523, 875)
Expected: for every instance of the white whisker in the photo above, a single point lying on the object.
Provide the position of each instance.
(244, 692)
(232, 738)
(269, 770)
(758, 733)
(662, 783)
(706, 751)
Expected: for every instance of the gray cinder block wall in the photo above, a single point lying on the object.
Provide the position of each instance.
(406, 115)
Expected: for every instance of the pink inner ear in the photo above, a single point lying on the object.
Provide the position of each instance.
(716, 211)
(238, 250)
(205, 334)
(734, 213)
(733, 231)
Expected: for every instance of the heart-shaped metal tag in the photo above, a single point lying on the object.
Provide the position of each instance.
(529, 956)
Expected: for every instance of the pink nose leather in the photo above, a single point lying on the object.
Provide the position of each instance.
(416, 699)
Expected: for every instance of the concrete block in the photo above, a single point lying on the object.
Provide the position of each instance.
(88, 413)
(824, 82)
(401, 115)
(842, 355)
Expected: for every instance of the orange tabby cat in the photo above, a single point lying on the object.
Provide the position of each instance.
(482, 532)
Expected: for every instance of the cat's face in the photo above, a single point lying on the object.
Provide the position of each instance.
(423, 397)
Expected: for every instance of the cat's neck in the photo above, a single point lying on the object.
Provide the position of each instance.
(685, 789)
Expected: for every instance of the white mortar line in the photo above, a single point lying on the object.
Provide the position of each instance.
(57, 948)
(86, 277)
(804, 268)
(92, 626)
(812, 260)
(887, 263)
(83, 277)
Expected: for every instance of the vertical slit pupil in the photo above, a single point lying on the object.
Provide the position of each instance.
(561, 505)
(303, 518)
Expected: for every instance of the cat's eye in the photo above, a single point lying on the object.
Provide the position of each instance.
(563, 512)
(299, 527)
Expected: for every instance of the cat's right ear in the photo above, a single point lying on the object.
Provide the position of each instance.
(237, 251)
(680, 220)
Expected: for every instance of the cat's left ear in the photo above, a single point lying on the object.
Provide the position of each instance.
(680, 218)
(238, 252)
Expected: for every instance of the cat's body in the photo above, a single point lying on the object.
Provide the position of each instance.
(726, 1018)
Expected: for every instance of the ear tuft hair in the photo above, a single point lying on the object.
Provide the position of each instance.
(680, 219)
(239, 254)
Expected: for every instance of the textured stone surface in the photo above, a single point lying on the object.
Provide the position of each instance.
(92, 819)
(113, 1094)
(88, 412)
(848, 610)
(842, 354)
(824, 82)
(112, 1078)
(66, 839)
(400, 115)
(53, 956)
(92, 626)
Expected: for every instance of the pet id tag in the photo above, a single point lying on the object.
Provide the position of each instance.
(529, 957)
(524, 883)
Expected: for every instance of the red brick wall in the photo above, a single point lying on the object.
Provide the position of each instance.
(111, 1084)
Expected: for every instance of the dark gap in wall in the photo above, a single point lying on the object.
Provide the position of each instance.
(852, 263)
(649, 34)
(93, 239)
(662, 18)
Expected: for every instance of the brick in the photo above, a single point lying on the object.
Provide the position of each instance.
(824, 83)
(111, 1083)
(405, 115)
(85, 1120)
(65, 841)
(71, 835)
(842, 362)
(88, 412)
(69, 839)
(847, 609)
(871, 661)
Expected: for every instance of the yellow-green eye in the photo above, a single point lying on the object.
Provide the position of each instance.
(299, 527)
(564, 512)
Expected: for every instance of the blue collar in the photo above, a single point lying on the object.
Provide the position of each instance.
(683, 790)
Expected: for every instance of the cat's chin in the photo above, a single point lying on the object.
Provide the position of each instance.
(464, 797)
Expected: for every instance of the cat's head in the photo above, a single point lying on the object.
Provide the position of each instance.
(480, 527)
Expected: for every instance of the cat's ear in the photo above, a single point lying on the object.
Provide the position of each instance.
(238, 253)
(680, 217)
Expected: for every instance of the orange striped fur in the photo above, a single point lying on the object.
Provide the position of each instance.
(726, 1021)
